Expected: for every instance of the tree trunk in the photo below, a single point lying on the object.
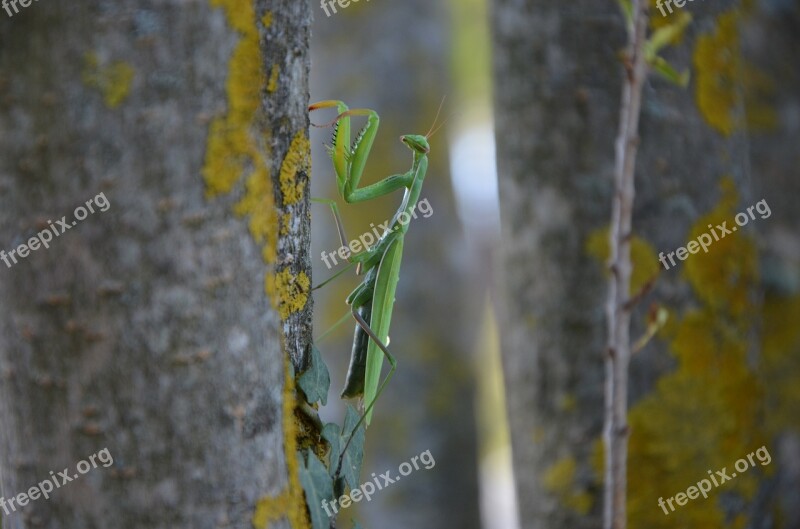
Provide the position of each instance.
(714, 385)
(159, 328)
(551, 317)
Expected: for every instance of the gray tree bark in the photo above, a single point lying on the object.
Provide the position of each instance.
(147, 328)
(714, 385)
(554, 140)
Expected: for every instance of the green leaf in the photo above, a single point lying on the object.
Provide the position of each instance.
(354, 456)
(332, 433)
(669, 73)
(655, 322)
(351, 463)
(315, 381)
(318, 487)
(666, 35)
(627, 12)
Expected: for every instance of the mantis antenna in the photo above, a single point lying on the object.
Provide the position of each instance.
(431, 132)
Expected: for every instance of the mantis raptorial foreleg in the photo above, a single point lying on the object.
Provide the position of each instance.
(349, 161)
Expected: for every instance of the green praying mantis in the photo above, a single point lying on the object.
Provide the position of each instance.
(372, 301)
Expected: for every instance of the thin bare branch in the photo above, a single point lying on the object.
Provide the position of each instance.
(618, 308)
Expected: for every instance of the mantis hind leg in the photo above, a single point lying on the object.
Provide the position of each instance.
(333, 327)
(342, 238)
(336, 217)
(356, 371)
(362, 323)
(392, 362)
(370, 255)
(334, 276)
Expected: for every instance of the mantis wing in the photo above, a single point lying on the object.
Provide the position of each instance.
(382, 304)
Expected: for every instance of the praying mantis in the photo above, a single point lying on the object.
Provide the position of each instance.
(372, 301)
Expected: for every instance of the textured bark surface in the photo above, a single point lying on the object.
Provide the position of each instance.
(771, 40)
(145, 329)
(555, 145)
(723, 364)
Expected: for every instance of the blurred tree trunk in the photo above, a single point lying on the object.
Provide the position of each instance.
(393, 57)
(715, 385)
(147, 329)
(555, 138)
(771, 40)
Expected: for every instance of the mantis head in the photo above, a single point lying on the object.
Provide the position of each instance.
(416, 143)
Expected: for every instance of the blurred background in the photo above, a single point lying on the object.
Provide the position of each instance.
(542, 78)
(402, 59)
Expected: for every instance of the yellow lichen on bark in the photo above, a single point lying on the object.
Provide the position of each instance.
(293, 292)
(716, 65)
(643, 257)
(273, 78)
(781, 361)
(729, 91)
(231, 148)
(291, 502)
(286, 220)
(236, 147)
(113, 81)
(560, 480)
(707, 413)
(722, 283)
(297, 159)
(258, 205)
